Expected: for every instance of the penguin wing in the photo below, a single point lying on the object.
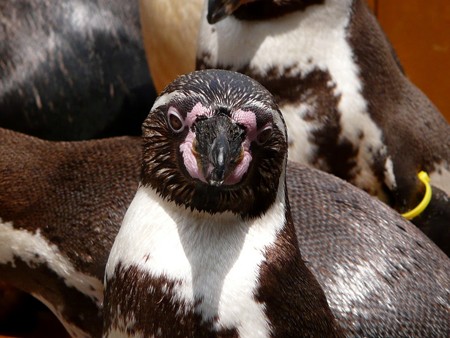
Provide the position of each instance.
(381, 275)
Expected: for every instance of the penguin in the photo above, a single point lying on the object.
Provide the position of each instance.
(206, 247)
(349, 108)
(73, 70)
(62, 204)
(169, 34)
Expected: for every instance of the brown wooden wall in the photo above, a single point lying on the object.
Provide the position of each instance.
(420, 33)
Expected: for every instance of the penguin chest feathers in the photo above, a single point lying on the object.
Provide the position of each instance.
(209, 265)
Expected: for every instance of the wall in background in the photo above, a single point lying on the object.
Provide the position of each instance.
(420, 33)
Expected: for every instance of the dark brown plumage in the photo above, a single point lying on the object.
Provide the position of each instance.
(73, 195)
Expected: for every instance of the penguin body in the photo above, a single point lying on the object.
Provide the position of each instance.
(380, 275)
(368, 259)
(187, 259)
(349, 108)
(61, 205)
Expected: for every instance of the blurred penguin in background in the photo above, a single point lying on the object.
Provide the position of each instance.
(73, 70)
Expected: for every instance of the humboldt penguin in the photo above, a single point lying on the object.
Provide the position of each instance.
(209, 246)
(349, 108)
(62, 203)
(73, 69)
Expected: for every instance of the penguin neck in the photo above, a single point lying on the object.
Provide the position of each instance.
(212, 268)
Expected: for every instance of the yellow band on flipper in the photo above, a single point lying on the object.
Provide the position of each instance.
(423, 176)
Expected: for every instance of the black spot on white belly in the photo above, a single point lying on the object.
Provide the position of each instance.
(148, 306)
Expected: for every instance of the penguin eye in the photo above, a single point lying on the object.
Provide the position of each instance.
(264, 134)
(175, 120)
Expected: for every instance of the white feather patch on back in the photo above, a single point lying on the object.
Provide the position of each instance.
(216, 257)
(389, 177)
(34, 249)
(299, 131)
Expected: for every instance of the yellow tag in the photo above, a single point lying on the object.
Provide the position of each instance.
(423, 176)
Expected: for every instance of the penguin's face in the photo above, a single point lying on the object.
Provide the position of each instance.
(212, 140)
(216, 150)
(219, 142)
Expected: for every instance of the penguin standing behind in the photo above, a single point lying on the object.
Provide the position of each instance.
(348, 106)
(207, 247)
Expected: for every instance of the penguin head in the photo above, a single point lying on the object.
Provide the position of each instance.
(215, 140)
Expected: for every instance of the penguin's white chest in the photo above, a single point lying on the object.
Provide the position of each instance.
(214, 260)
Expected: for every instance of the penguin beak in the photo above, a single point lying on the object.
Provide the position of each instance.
(218, 147)
(219, 158)
(219, 9)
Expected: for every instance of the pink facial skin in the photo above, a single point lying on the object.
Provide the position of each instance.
(245, 118)
(190, 161)
(248, 120)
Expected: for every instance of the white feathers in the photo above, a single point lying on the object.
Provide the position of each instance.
(165, 99)
(34, 249)
(303, 38)
(216, 257)
(389, 175)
